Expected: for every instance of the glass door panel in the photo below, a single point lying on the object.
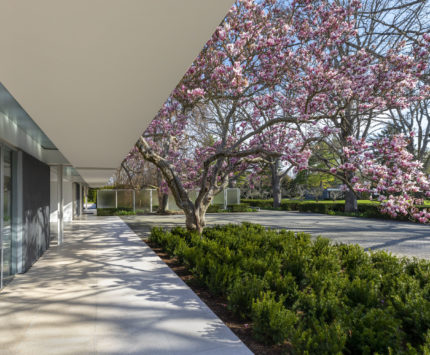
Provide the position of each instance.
(7, 216)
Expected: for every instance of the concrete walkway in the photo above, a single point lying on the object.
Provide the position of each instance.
(105, 292)
(401, 238)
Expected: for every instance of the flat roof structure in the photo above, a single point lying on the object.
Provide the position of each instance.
(92, 74)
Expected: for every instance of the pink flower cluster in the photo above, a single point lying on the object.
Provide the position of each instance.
(386, 169)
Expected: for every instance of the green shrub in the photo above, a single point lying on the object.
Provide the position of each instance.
(321, 338)
(374, 330)
(124, 213)
(370, 210)
(366, 208)
(321, 297)
(313, 207)
(272, 322)
(171, 243)
(217, 276)
(284, 285)
(92, 195)
(286, 205)
(264, 204)
(180, 250)
(214, 208)
(243, 207)
(159, 236)
(105, 211)
(290, 205)
(423, 349)
(243, 292)
(115, 212)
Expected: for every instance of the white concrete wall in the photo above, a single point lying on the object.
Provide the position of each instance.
(54, 202)
(67, 196)
(68, 201)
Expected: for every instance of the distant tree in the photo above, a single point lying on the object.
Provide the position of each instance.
(386, 169)
(415, 119)
(136, 173)
(384, 30)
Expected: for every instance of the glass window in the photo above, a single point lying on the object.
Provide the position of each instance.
(6, 233)
(106, 199)
(125, 199)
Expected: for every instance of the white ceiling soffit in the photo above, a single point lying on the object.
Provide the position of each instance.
(93, 73)
(96, 177)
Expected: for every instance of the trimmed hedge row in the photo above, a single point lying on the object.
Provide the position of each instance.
(112, 211)
(366, 208)
(118, 212)
(243, 207)
(320, 297)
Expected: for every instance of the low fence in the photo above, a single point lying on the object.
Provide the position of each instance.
(147, 199)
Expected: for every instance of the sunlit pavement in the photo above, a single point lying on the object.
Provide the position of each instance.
(105, 292)
(401, 238)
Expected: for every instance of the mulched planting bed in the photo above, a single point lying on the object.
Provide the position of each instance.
(218, 305)
(284, 292)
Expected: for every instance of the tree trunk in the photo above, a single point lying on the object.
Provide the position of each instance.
(347, 130)
(162, 202)
(162, 196)
(276, 185)
(195, 219)
(350, 201)
(194, 212)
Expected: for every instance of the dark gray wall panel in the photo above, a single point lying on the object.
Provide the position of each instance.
(36, 201)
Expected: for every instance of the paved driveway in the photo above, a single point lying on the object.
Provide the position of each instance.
(402, 238)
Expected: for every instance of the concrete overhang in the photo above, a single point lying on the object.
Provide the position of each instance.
(93, 73)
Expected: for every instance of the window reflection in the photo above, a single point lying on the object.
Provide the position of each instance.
(7, 216)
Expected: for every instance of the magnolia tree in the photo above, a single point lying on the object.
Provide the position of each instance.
(295, 147)
(388, 171)
(377, 69)
(272, 80)
(136, 173)
(345, 87)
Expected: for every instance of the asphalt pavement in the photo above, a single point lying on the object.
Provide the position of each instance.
(401, 238)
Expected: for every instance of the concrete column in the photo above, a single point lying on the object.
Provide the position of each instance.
(150, 201)
(1, 213)
(84, 191)
(60, 204)
(116, 198)
(86, 195)
(81, 197)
